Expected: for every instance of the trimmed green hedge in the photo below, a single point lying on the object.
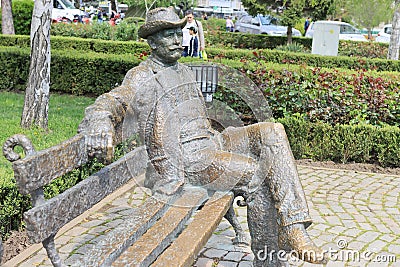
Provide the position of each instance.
(261, 41)
(252, 41)
(80, 44)
(343, 143)
(282, 57)
(71, 71)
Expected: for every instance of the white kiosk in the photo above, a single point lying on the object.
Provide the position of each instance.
(326, 38)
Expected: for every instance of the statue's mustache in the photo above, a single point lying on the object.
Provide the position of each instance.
(175, 47)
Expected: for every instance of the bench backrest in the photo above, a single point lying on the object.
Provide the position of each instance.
(38, 169)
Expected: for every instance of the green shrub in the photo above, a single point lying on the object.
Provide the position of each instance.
(213, 26)
(22, 16)
(71, 72)
(263, 55)
(81, 44)
(343, 143)
(363, 49)
(333, 96)
(266, 55)
(125, 31)
(294, 47)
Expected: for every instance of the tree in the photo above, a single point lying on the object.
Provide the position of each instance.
(393, 52)
(320, 10)
(7, 23)
(369, 13)
(37, 93)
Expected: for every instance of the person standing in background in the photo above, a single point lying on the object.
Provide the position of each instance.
(100, 15)
(194, 43)
(192, 22)
(306, 25)
(229, 24)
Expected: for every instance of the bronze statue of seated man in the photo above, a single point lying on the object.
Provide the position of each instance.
(160, 100)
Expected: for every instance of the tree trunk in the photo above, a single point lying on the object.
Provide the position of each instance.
(113, 5)
(38, 89)
(393, 52)
(289, 35)
(7, 23)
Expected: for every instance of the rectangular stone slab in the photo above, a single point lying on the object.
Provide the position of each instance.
(48, 218)
(147, 248)
(42, 167)
(193, 238)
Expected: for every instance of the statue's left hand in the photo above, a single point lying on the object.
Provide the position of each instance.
(99, 134)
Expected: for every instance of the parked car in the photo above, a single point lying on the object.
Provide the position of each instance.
(384, 34)
(64, 10)
(347, 31)
(262, 25)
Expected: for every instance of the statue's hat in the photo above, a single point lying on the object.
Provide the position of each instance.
(158, 19)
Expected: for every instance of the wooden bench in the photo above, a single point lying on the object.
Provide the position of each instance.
(158, 232)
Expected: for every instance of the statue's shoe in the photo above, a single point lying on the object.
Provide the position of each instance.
(295, 240)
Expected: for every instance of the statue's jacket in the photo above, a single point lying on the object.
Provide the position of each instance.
(164, 106)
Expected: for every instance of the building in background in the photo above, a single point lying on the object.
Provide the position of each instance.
(220, 8)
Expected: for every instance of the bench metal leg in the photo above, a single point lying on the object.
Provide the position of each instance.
(241, 237)
(50, 247)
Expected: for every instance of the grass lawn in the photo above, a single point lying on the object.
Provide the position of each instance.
(65, 114)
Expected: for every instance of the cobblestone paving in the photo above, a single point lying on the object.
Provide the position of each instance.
(356, 217)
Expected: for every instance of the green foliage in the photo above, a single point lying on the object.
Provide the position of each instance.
(12, 206)
(275, 56)
(102, 72)
(125, 31)
(370, 13)
(213, 26)
(320, 10)
(252, 41)
(258, 41)
(331, 96)
(293, 47)
(142, 4)
(343, 143)
(22, 16)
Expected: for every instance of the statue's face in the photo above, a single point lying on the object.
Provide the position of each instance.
(166, 45)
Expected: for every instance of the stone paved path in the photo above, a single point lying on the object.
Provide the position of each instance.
(356, 218)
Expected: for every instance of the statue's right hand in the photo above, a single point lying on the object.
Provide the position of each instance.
(99, 135)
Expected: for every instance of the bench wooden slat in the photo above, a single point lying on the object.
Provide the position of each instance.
(118, 239)
(42, 167)
(187, 246)
(47, 219)
(147, 248)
